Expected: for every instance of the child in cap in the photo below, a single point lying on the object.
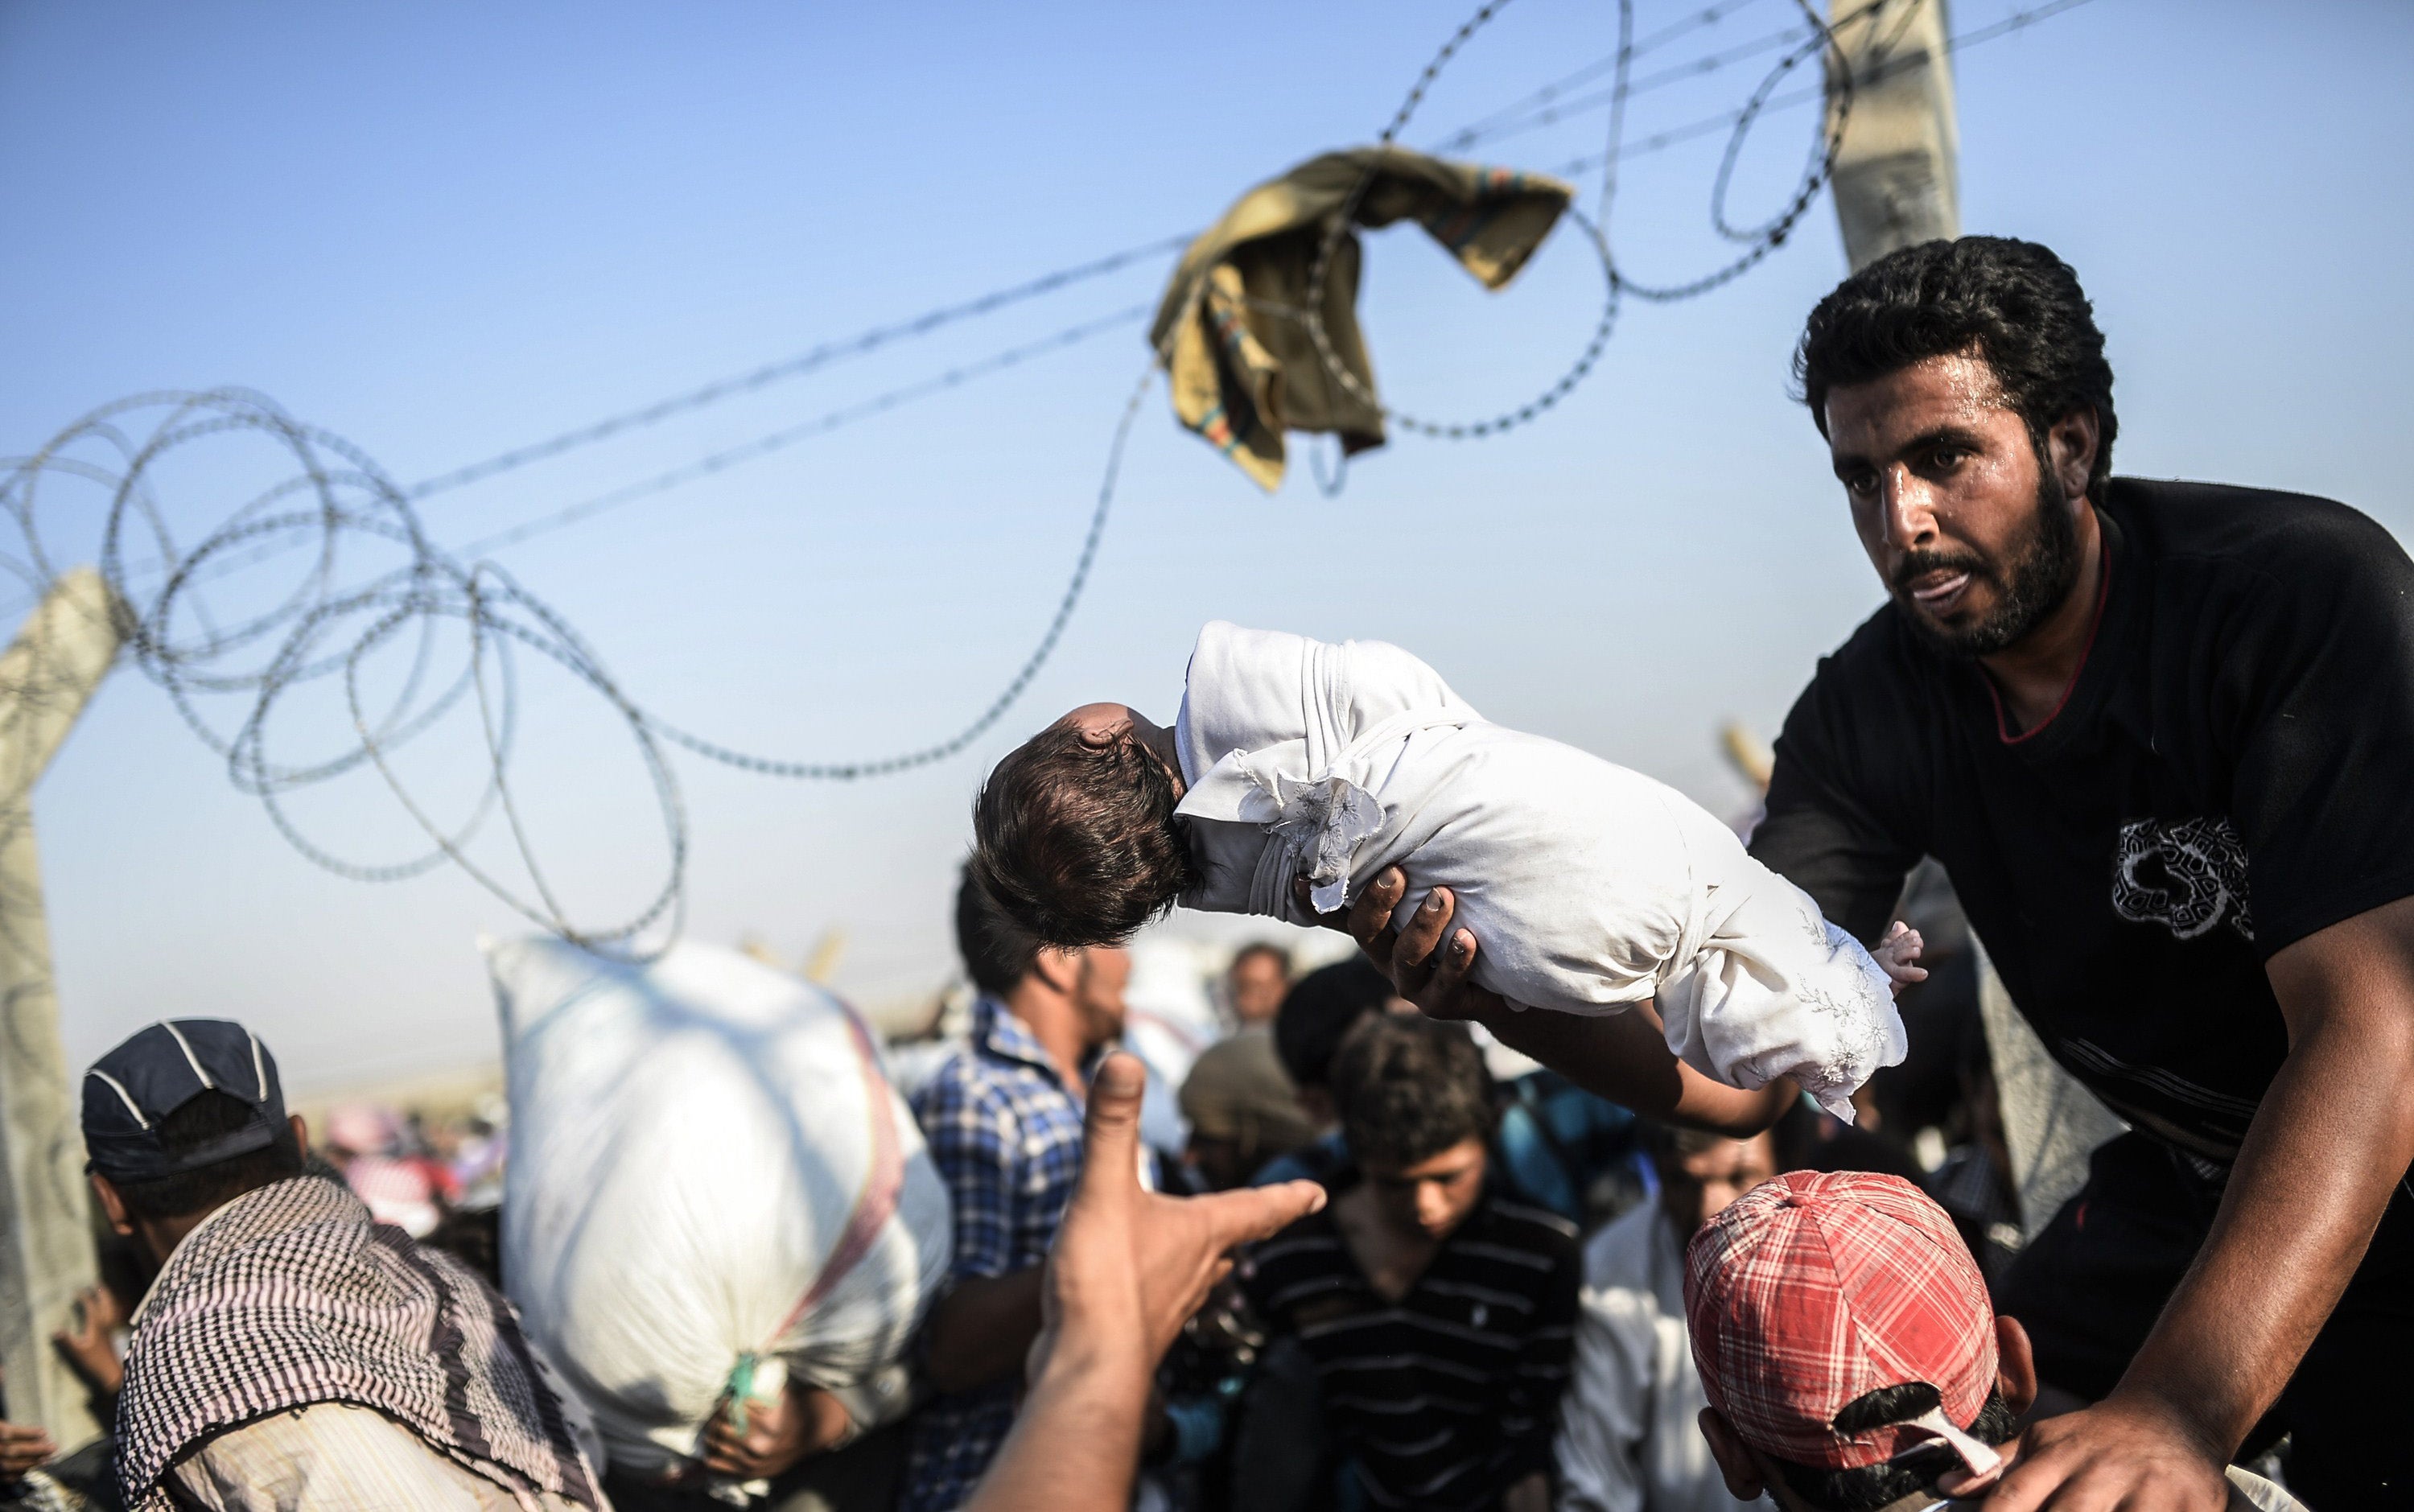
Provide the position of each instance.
(1850, 1356)
(1590, 888)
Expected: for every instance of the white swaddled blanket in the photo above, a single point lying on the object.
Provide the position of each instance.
(1588, 887)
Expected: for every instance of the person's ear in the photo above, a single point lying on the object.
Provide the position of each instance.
(300, 1133)
(2071, 448)
(1058, 970)
(1737, 1466)
(2015, 1365)
(112, 1203)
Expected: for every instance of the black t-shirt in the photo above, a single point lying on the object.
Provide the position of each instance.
(2232, 771)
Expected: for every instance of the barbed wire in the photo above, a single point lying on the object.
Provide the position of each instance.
(1543, 97)
(1503, 124)
(379, 586)
(821, 425)
(862, 344)
(1760, 240)
(1725, 120)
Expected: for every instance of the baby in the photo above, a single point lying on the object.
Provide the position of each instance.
(1590, 888)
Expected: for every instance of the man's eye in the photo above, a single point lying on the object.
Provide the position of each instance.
(1950, 457)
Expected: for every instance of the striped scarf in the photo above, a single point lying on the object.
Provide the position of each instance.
(292, 1296)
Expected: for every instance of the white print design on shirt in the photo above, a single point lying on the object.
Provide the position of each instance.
(2201, 882)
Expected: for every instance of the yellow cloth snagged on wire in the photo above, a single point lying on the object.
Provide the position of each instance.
(1242, 361)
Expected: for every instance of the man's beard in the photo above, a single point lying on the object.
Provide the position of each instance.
(2039, 577)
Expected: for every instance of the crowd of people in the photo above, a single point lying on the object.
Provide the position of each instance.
(1421, 1246)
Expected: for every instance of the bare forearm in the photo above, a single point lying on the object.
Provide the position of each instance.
(1624, 1058)
(1076, 1443)
(980, 1331)
(2333, 1135)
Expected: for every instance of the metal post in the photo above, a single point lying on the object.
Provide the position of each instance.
(1898, 179)
(45, 1255)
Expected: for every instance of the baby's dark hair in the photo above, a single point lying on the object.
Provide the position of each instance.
(1077, 842)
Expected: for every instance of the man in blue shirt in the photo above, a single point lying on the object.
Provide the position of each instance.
(1003, 1120)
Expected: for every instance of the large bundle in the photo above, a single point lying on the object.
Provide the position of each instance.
(708, 1167)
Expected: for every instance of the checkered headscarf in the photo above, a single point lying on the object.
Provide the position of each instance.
(1818, 1288)
(290, 1295)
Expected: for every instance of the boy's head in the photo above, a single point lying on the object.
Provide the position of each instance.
(1073, 832)
(1701, 1173)
(180, 1119)
(1846, 1345)
(1256, 981)
(1416, 1107)
(1242, 1110)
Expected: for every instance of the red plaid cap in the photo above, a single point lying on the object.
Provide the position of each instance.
(1818, 1288)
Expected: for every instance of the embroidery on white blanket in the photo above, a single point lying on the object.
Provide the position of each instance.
(1321, 824)
(1856, 1019)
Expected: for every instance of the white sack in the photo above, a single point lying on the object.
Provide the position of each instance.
(1588, 888)
(706, 1162)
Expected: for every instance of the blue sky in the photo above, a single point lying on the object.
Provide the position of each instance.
(446, 230)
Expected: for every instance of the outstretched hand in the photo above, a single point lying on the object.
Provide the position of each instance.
(1424, 969)
(1128, 1268)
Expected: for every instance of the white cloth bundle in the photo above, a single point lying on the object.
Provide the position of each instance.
(709, 1174)
(1588, 887)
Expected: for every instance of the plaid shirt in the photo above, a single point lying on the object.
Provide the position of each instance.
(1006, 1133)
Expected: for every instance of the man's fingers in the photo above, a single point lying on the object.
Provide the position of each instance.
(1370, 917)
(2037, 1471)
(1110, 1130)
(1253, 1212)
(1413, 962)
(1457, 960)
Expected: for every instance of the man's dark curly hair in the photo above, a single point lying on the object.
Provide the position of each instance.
(1870, 1487)
(1410, 1087)
(2013, 302)
(1078, 842)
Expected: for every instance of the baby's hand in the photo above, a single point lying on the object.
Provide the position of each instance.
(1898, 955)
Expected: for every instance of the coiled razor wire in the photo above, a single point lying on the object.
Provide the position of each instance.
(341, 505)
(1760, 240)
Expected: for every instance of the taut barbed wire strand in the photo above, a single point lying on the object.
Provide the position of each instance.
(1725, 120)
(1544, 97)
(861, 344)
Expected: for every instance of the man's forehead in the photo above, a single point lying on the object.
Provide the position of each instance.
(1925, 397)
(1451, 1163)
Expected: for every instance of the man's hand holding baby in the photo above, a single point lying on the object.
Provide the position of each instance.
(1423, 968)
(1622, 1056)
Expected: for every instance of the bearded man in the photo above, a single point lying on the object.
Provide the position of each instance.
(2160, 736)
